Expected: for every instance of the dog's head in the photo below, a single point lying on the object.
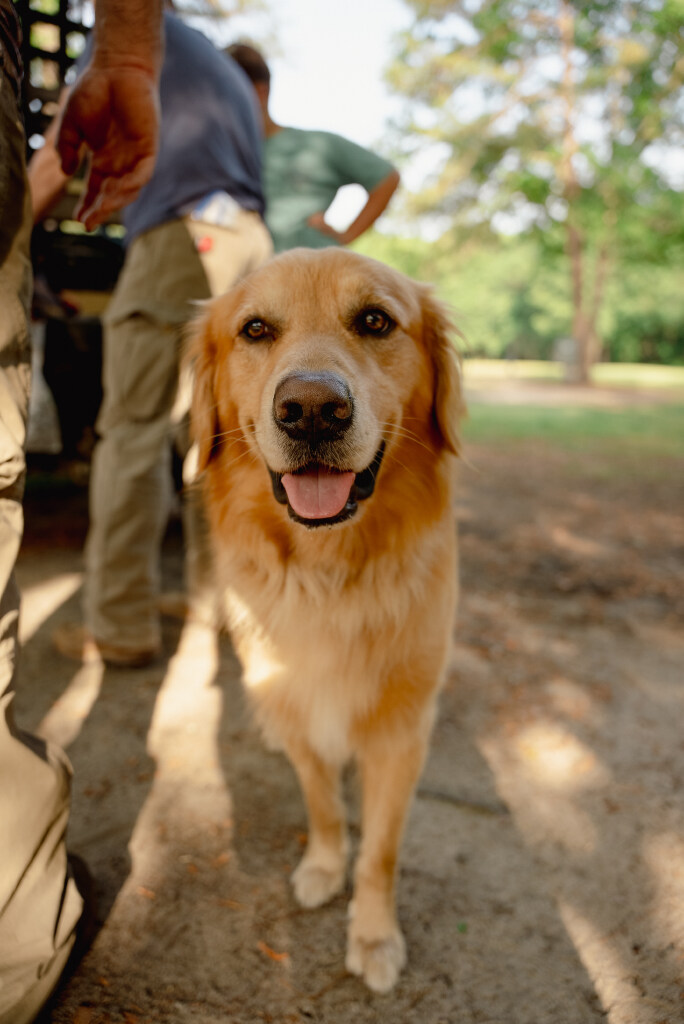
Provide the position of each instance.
(324, 364)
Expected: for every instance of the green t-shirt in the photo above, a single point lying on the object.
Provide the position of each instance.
(302, 171)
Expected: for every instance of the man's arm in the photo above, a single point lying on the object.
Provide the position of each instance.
(378, 198)
(113, 109)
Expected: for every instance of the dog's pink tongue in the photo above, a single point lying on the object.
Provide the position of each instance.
(318, 493)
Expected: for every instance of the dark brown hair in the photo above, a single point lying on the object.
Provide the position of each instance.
(251, 62)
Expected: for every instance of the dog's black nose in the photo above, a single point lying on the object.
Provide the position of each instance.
(313, 406)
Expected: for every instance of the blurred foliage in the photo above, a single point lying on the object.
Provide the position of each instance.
(511, 296)
(561, 121)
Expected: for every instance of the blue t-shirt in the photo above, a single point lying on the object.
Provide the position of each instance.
(210, 132)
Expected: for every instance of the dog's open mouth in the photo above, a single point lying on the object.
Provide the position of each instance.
(319, 495)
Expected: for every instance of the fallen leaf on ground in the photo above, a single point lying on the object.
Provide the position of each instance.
(279, 957)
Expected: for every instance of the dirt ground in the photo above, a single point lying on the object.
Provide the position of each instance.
(542, 875)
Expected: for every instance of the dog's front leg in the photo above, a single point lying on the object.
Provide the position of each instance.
(321, 871)
(375, 946)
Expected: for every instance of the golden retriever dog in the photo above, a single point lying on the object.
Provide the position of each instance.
(326, 407)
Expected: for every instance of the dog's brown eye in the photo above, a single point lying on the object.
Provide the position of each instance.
(374, 321)
(256, 330)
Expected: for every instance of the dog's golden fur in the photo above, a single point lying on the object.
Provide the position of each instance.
(343, 630)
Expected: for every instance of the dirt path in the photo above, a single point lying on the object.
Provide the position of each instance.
(543, 869)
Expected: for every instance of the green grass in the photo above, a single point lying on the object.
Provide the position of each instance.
(633, 375)
(651, 431)
(638, 375)
(476, 370)
(642, 429)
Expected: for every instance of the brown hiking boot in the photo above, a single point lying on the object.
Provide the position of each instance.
(77, 643)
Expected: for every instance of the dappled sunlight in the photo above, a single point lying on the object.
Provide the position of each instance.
(554, 758)
(570, 648)
(41, 600)
(613, 979)
(663, 856)
(263, 668)
(576, 545)
(187, 704)
(65, 719)
(188, 797)
(539, 772)
(542, 770)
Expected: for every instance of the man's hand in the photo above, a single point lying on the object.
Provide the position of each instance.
(377, 200)
(318, 221)
(114, 113)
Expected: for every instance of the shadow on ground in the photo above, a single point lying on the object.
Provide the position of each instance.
(542, 878)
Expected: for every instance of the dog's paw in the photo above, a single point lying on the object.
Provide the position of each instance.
(316, 883)
(378, 962)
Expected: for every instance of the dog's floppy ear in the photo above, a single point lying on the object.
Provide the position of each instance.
(200, 360)
(439, 333)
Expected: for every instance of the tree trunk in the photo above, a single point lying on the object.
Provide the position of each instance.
(581, 327)
(594, 345)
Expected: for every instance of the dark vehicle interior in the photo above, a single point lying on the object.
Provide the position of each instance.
(74, 271)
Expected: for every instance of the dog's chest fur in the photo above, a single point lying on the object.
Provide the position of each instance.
(318, 641)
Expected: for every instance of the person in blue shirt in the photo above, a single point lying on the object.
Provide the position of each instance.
(194, 230)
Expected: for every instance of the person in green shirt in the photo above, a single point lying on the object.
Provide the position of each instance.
(302, 171)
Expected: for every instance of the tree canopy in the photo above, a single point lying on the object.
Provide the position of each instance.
(561, 118)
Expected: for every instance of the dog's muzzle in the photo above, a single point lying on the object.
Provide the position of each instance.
(315, 410)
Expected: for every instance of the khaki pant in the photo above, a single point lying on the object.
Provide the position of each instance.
(163, 276)
(39, 905)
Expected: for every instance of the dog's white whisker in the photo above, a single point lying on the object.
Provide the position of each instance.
(248, 453)
(402, 432)
(238, 432)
